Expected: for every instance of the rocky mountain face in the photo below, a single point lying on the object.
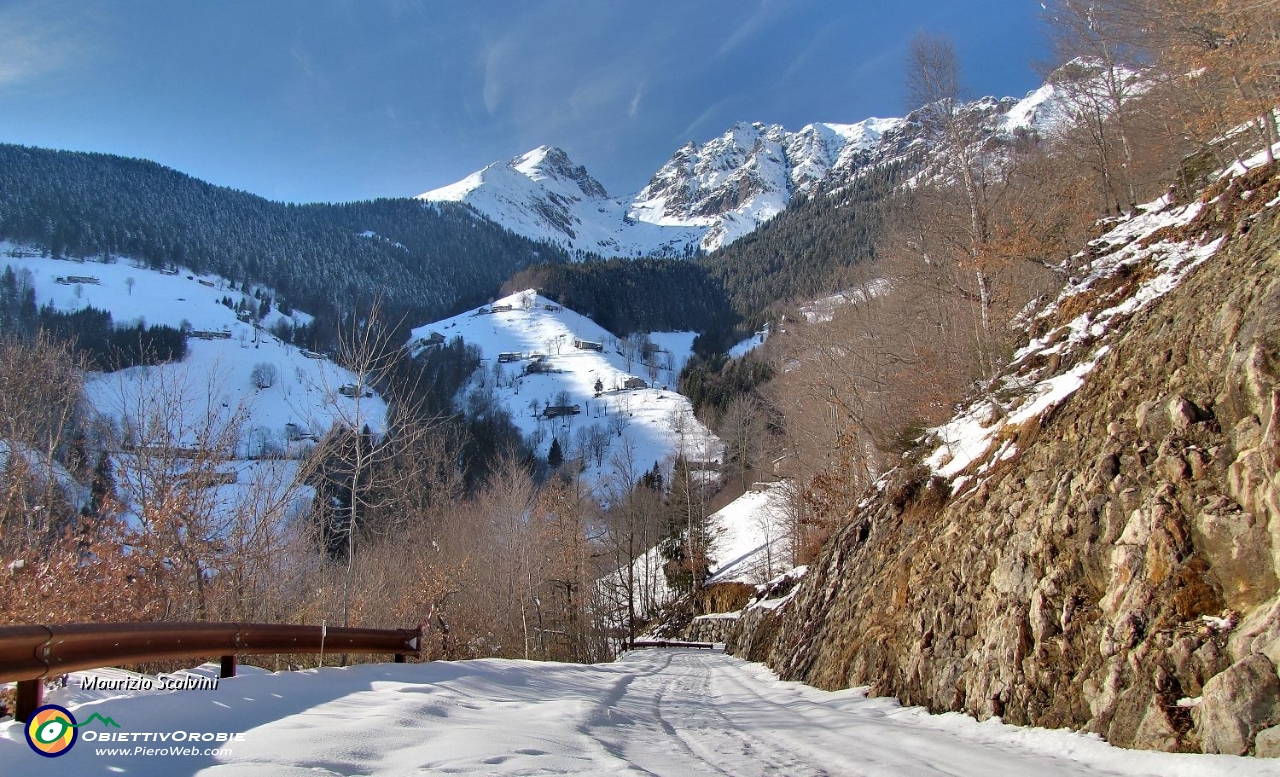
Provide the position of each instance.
(732, 184)
(1096, 543)
(706, 196)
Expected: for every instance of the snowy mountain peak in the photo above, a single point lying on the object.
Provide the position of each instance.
(552, 163)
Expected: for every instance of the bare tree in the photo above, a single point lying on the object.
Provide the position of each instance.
(933, 82)
(632, 529)
(505, 503)
(264, 375)
(1221, 57)
(743, 430)
(565, 518)
(176, 446)
(369, 432)
(41, 396)
(1105, 74)
(598, 443)
(771, 521)
(630, 348)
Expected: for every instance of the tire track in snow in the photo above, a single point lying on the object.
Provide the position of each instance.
(857, 738)
(673, 726)
(762, 752)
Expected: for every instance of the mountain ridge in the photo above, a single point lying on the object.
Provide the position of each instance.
(708, 195)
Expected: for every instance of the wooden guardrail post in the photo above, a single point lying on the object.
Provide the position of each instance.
(228, 666)
(30, 698)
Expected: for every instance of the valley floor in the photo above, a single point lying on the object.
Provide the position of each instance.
(673, 712)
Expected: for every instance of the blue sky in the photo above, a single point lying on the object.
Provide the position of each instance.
(329, 100)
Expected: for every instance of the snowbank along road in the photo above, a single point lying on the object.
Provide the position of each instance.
(654, 712)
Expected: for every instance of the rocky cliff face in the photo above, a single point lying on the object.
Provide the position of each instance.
(1096, 545)
(732, 184)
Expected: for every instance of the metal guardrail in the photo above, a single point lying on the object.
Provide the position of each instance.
(32, 654)
(670, 643)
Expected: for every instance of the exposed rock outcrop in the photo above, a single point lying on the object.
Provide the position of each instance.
(1111, 561)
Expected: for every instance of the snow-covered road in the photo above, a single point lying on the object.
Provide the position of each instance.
(677, 712)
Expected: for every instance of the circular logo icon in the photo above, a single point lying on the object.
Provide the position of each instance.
(51, 731)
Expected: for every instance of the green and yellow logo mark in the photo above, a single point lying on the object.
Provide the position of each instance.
(51, 730)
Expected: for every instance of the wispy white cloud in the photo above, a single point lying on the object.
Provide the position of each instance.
(305, 62)
(749, 26)
(406, 8)
(687, 133)
(890, 59)
(37, 38)
(494, 57)
(634, 107)
(804, 57)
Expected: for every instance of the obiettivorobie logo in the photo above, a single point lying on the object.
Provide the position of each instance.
(52, 730)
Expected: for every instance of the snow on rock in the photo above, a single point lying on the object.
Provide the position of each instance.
(705, 196)
(983, 433)
(1046, 110)
(553, 352)
(663, 712)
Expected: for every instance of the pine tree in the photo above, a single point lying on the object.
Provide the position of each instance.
(555, 456)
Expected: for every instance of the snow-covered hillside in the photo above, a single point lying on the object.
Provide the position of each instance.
(537, 354)
(709, 195)
(218, 390)
(750, 544)
(216, 377)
